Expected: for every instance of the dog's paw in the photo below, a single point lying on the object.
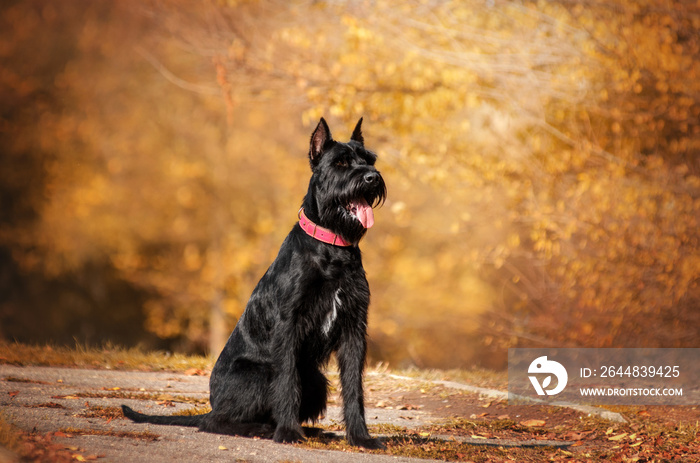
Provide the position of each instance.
(366, 442)
(287, 435)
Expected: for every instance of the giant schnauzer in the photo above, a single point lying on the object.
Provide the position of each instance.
(311, 302)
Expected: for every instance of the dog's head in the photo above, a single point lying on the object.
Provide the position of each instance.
(345, 185)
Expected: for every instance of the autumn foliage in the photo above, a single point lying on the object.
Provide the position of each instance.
(541, 159)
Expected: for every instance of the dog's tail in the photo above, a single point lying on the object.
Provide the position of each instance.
(176, 420)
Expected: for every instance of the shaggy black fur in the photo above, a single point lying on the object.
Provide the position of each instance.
(310, 303)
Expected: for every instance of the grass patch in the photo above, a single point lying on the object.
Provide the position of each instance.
(136, 396)
(9, 436)
(145, 435)
(194, 411)
(46, 405)
(592, 439)
(415, 446)
(108, 413)
(12, 379)
(108, 357)
(23, 446)
(386, 428)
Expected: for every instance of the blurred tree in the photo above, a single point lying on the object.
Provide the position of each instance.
(148, 175)
(560, 141)
(38, 39)
(541, 160)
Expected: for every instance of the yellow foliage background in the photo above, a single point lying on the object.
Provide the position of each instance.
(541, 160)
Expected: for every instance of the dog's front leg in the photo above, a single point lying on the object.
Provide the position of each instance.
(286, 386)
(351, 359)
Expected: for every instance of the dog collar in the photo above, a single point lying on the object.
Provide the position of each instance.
(322, 234)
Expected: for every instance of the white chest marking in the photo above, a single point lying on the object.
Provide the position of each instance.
(332, 315)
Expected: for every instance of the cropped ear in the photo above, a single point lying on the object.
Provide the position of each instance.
(357, 133)
(319, 139)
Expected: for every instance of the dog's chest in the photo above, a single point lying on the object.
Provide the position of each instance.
(332, 314)
(341, 302)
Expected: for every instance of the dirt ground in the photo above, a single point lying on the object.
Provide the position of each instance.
(70, 414)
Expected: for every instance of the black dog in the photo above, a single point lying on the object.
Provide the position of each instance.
(311, 302)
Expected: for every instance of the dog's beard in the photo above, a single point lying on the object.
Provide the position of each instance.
(345, 205)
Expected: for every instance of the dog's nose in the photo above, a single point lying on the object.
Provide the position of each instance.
(371, 177)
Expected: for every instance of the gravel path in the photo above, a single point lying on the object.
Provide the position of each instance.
(65, 400)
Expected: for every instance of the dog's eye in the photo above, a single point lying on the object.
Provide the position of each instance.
(342, 163)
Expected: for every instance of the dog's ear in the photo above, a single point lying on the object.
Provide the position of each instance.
(357, 133)
(319, 139)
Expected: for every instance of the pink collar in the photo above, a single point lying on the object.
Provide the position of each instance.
(320, 233)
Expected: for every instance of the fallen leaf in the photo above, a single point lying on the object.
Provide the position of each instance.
(13, 393)
(79, 457)
(424, 434)
(111, 389)
(618, 437)
(474, 436)
(221, 447)
(195, 372)
(533, 423)
(643, 413)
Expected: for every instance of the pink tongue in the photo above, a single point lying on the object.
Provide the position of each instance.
(363, 212)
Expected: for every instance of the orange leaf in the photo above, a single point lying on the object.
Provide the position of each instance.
(618, 437)
(533, 423)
